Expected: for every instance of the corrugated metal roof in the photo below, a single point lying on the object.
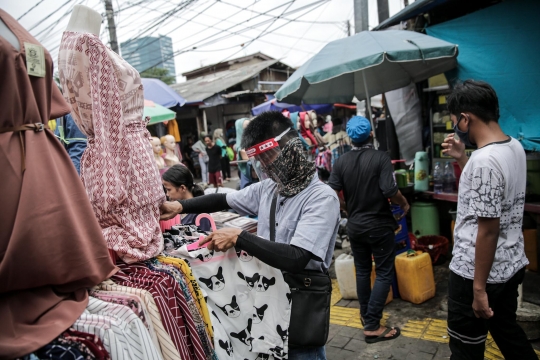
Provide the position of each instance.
(204, 87)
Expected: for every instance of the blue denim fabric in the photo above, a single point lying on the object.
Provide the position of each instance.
(72, 140)
(315, 353)
(381, 244)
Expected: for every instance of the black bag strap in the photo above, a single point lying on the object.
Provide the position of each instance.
(273, 218)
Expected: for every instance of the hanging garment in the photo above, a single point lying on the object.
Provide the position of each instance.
(172, 129)
(131, 301)
(122, 332)
(167, 295)
(93, 342)
(248, 300)
(192, 316)
(117, 167)
(168, 349)
(194, 287)
(42, 287)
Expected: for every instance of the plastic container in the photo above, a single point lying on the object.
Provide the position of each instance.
(448, 178)
(346, 276)
(425, 219)
(401, 178)
(435, 246)
(421, 173)
(414, 272)
(402, 233)
(438, 178)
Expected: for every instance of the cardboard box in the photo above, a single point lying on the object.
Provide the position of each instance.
(531, 248)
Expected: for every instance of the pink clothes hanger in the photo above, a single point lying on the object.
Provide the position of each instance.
(195, 245)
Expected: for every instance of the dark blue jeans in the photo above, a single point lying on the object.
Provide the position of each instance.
(381, 244)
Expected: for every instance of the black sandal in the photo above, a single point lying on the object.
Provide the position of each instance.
(375, 339)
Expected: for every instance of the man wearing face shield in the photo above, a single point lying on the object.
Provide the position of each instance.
(306, 210)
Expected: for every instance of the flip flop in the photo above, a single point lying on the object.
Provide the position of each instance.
(375, 339)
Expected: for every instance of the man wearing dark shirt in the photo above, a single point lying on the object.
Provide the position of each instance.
(214, 162)
(366, 178)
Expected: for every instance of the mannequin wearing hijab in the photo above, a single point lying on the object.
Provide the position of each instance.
(91, 72)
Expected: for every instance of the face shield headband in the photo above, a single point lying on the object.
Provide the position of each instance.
(288, 167)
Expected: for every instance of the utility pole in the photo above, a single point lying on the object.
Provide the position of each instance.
(361, 15)
(382, 9)
(348, 27)
(112, 26)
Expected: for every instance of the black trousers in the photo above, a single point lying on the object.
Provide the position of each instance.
(226, 167)
(468, 334)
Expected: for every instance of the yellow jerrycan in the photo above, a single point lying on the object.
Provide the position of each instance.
(415, 276)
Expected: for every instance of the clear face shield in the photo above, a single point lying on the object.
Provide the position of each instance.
(263, 158)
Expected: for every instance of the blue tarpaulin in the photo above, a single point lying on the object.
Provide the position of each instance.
(501, 45)
(274, 105)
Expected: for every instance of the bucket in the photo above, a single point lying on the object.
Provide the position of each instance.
(425, 219)
(435, 246)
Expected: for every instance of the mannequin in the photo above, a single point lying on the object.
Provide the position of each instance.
(106, 98)
(170, 150)
(84, 20)
(156, 147)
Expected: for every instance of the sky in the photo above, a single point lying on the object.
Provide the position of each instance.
(205, 32)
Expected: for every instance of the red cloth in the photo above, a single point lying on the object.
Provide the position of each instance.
(92, 342)
(171, 304)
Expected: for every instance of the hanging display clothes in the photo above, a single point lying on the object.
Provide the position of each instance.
(40, 301)
(168, 349)
(191, 314)
(168, 297)
(172, 129)
(122, 332)
(249, 302)
(194, 287)
(117, 168)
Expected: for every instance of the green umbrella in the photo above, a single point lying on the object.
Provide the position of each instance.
(366, 64)
(157, 113)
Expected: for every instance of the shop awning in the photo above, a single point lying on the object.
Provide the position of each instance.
(157, 113)
(274, 105)
(161, 93)
(499, 45)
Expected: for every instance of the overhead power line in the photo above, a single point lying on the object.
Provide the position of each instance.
(191, 47)
(32, 8)
(48, 16)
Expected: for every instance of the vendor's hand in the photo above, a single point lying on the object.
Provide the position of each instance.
(405, 209)
(453, 147)
(222, 239)
(481, 305)
(170, 209)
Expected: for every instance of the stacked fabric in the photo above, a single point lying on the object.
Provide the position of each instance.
(243, 223)
(221, 218)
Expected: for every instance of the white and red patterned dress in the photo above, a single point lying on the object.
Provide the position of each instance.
(117, 168)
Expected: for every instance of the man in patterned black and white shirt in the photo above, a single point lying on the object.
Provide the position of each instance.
(489, 259)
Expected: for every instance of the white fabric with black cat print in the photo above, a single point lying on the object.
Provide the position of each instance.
(249, 301)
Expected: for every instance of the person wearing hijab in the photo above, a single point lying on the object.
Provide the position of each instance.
(225, 162)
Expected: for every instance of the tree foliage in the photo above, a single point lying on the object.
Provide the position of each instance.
(159, 73)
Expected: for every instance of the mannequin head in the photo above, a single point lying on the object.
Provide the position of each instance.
(84, 20)
(156, 146)
(169, 142)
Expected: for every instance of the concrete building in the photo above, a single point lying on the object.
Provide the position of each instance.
(217, 95)
(147, 52)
